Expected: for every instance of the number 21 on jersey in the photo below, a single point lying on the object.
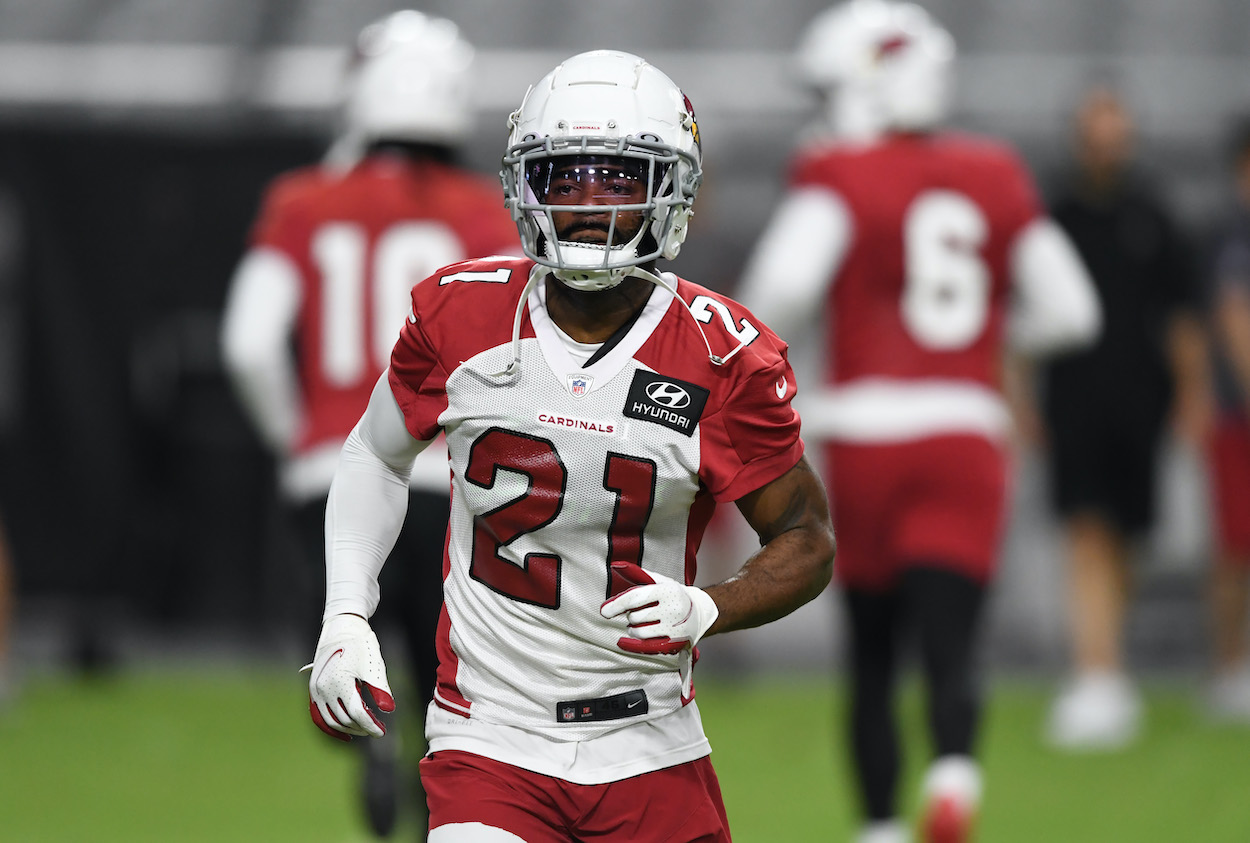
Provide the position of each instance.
(631, 480)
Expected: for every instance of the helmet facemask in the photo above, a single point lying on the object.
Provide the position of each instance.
(593, 208)
(600, 176)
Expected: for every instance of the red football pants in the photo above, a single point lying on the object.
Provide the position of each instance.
(939, 501)
(680, 804)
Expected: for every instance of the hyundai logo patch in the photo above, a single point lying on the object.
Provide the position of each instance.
(668, 394)
(673, 403)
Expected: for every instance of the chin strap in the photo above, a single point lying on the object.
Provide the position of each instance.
(659, 281)
(538, 272)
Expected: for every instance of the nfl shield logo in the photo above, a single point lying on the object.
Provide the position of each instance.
(579, 385)
(567, 712)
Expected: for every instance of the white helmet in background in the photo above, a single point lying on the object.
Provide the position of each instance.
(884, 66)
(597, 110)
(409, 80)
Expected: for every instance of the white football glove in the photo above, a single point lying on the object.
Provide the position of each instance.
(663, 616)
(348, 658)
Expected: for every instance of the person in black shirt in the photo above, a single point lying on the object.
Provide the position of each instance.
(1105, 407)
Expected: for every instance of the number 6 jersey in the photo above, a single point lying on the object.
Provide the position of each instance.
(923, 255)
(559, 469)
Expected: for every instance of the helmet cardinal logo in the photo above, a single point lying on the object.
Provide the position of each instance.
(892, 46)
(694, 123)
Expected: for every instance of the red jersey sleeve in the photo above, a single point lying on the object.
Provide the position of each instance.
(754, 436)
(418, 378)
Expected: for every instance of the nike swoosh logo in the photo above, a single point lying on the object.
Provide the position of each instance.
(781, 388)
(634, 704)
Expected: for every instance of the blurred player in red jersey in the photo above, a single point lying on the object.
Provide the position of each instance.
(1229, 447)
(923, 254)
(321, 295)
(596, 410)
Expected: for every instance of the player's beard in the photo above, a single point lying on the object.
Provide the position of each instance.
(594, 228)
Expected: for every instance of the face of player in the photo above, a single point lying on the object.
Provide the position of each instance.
(1105, 132)
(593, 180)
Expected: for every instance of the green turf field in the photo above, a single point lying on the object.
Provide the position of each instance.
(231, 756)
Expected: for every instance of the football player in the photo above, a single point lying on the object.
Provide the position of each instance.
(322, 293)
(1228, 454)
(596, 410)
(914, 253)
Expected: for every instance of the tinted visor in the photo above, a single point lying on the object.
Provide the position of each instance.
(590, 180)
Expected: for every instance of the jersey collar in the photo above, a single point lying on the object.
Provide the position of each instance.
(602, 370)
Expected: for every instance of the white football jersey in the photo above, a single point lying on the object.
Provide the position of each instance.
(559, 469)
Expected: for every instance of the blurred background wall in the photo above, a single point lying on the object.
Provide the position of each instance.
(136, 135)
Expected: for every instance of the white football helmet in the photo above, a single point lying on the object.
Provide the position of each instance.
(606, 120)
(409, 80)
(883, 65)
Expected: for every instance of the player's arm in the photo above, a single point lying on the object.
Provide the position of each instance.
(795, 561)
(261, 309)
(796, 259)
(367, 504)
(793, 565)
(366, 509)
(1056, 305)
